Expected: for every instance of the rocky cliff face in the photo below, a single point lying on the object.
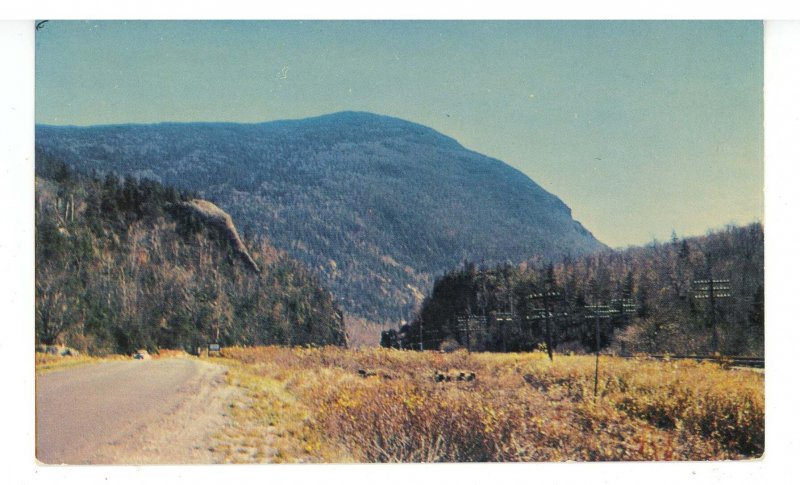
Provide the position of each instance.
(221, 222)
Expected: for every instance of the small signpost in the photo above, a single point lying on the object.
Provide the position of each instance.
(216, 348)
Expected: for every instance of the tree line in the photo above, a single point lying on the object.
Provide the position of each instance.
(120, 267)
(649, 299)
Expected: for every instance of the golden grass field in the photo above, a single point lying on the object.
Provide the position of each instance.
(380, 405)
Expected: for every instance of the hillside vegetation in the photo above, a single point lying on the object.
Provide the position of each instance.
(121, 265)
(382, 405)
(652, 299)
(375, 206)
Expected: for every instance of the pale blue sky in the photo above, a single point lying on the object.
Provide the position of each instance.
(641, 127)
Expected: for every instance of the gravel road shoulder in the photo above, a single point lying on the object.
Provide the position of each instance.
(186, 434)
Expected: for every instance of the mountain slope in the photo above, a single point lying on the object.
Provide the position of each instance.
(376, 205)
(125, 266)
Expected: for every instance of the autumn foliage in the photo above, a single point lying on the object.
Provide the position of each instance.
(120, 267)
(381, 405)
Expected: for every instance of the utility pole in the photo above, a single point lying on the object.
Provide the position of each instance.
(538, 314)
(546, 297)
(597, 311)
(712, 290)
(463, 325)
(483, 310)
(510, 297)
(624, 306)
(421, 348)
(465, 322)
(504, 319)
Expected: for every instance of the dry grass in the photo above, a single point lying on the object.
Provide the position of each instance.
(271, 424)
(49, 362)
(315, 405)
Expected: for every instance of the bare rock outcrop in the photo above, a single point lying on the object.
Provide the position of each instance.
(219, 220)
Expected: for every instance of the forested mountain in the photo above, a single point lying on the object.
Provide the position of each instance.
(649, 299)
(124, 265)
(375, 206)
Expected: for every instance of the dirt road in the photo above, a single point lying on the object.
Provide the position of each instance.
(131, 412)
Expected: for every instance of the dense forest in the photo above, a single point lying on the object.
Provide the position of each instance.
(121, 266)
(687, 296)
(375, 206)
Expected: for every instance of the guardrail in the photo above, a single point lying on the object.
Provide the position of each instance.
(734, 361)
